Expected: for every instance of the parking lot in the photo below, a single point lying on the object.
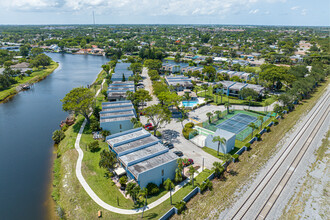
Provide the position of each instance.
(172, 133)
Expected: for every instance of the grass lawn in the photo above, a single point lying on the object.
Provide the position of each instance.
(36, 76)
(209, 205)
(217, 98)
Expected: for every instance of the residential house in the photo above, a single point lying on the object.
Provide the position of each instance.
(116, 116)
(143, 157)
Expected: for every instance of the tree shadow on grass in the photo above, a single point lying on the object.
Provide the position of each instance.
(77, 125)
(150, 215)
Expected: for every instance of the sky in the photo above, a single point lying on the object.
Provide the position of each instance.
(238, 12)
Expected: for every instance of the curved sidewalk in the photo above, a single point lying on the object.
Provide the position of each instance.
(99, 201)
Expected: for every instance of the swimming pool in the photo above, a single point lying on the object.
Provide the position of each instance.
(190, 103)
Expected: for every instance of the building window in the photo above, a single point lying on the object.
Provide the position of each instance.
(120, 126)
(162, 172)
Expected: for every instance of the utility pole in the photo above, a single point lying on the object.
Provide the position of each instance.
(203, 165)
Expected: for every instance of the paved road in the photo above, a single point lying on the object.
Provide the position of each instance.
(266, 192)
(148, 86)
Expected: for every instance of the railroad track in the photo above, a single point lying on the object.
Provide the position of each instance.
(266, 179)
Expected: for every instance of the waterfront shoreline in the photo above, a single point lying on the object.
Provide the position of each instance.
(13, 91)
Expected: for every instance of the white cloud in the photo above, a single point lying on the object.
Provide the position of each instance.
(304, 12)
(140, 7)
(294, 8)
(255, 11)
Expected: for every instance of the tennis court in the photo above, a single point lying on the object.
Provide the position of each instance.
(237, 123)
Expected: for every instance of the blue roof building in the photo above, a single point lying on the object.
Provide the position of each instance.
(120, 70)
(117, 90)
(116, 116)
(143, 157)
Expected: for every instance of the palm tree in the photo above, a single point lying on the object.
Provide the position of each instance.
(209, 115)
(227, 105)
(169, 185)
(179, 162)
(249, 99)
(253, 127)
(220, 141)
(261, 119)
(192, 171)
(129, 190)
(178, 175)
(267, 102)
(205, 87)
(218, 113)
(144, 193)
(218, 168)
(220, 86)
(185, 161)
(226, 157)
(187, 97)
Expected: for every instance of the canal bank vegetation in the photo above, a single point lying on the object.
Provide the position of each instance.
(11, 89)
(234, 182)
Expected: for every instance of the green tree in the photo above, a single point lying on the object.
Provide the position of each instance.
(220, 141)
(158, 115)
(108, 159)
(192, 171)
(123, 180)
(58, 135)
(153, 64)
(205, 87)
(41, 60)
(24, 51)
(261, 119)
(227, 105)
(209, 115)
(36, 51)
(253, 127)
(79, 100)
(136, 67)
(123, 79)
(178, 175)
(169, 185)
(218, 114)
(93, 146)
(218, 169)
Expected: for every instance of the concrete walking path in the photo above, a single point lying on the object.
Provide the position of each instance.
(99, 201)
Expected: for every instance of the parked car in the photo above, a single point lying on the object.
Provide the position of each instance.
(150, 128)
(178, 153)
(147, 125)
(169, 146)
(189, 162)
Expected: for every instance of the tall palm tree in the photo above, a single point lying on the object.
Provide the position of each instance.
(144, 193)
(205, 87)
(178, 175)
(179, 162)
(187, 97)
(192, 171)
(209, 115)
(253, 127)
(249, 99)
(169, 185)
(220, 141)
(218, 168)
(220, 86)
(218, 113)
(227, 105)
(129, 190)
(261, 119)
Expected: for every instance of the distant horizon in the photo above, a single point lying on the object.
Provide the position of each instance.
(151, 24)
(176, 12)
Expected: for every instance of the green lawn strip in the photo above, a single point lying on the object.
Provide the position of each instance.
(33, 78)
(204, 206)
(217, 98)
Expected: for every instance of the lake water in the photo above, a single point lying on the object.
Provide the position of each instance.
(27, 122)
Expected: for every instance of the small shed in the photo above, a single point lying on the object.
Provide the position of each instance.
(224, 148)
